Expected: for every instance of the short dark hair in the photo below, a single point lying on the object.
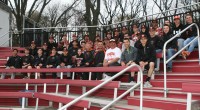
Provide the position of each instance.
(188, 14)
(167, 25)
(27, 48)
(54, 48)
(15, 49)
(127, 39)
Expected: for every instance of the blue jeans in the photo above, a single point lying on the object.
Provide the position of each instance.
(180, 43)
(188, 40)
(170, 53)
(158, 50)
(193, 45)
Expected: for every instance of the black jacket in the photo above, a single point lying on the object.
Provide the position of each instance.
(88, 57)
(146, 53)
(40, 60)
(51, 45)
(33, 51)
(173, 44)
(15, 61)
(66, 59)
(99, 57)
(73, 51)
(53, 60)
(46, 52)
(78, 57)
(191, 32)
(156, 41)
(27, 60)
(178, 29)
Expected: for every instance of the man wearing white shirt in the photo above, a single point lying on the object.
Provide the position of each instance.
(112, 57)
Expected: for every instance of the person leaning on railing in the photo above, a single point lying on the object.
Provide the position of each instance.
(146, 56)
(172, 47)
(190, 34)
(13, 62)
(128, 57)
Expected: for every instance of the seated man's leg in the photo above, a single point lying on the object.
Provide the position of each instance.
(68, 73)
(188, 40)
(112, 64)
(170, 53)
(98, 75)
(180, 43)
(150, 66)
(29, 74)
(58, 74)
(192, 46)
(131, 75)
(4, 74)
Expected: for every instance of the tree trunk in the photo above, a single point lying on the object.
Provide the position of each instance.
(91, 17)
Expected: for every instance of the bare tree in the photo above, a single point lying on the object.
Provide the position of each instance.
(107, 16)
(92, 15)
(163, 5)
(19, 8)
(123, 8)
(60, 15)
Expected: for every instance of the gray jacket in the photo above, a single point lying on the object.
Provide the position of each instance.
(129, 55)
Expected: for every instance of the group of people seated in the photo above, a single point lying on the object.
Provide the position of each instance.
(137, 46)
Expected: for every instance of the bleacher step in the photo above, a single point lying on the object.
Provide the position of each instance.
(161, 102)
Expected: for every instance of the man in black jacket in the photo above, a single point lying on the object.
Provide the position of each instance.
(27, 62)
(51, 44)
(172, 47)
(65, 62)
(33, 49)
(53, 61)
(13, 62)
(176, 28)
(87, 59)
(40, 62)
(146, 57)
(98, 60)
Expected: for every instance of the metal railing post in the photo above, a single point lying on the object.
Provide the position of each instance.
(189, 101)
(100, 85)
(167, 60)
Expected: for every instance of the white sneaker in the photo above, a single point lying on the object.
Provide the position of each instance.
(133, 83)
(147, 85)
(105, 77)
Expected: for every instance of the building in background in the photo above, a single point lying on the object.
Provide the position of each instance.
(5, 23)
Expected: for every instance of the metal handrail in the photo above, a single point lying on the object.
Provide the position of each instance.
(113, 23)
(164, 52)
(129, 90)
(102, 84)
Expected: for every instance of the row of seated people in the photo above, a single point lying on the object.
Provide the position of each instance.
(109, 53)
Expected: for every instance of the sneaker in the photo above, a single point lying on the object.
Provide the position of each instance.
(133, 83)
(26, 77)
(105, 77)
(184, 54)
(147, 85)
(169, 69)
